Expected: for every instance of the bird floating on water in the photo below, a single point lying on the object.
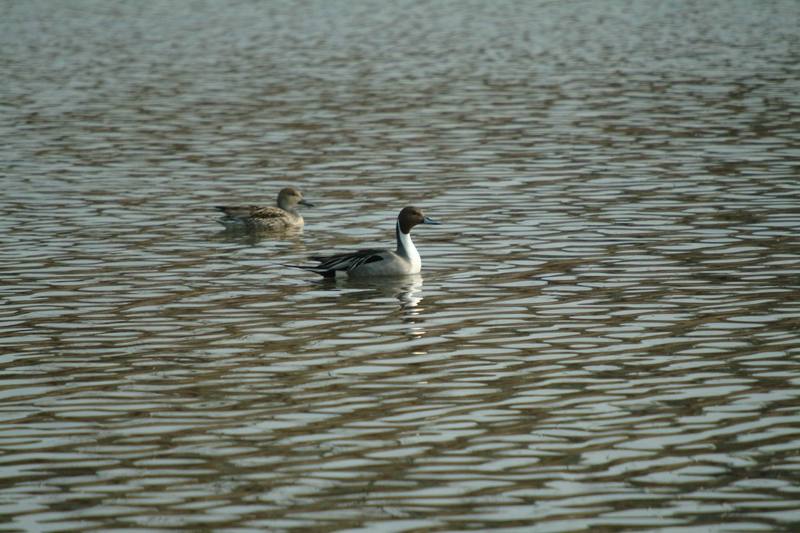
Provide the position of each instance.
(253, 218)
(377, 262)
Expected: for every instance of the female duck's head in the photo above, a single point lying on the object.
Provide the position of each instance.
(290, 197)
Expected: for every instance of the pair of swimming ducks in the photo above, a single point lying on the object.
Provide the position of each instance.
(363, 263)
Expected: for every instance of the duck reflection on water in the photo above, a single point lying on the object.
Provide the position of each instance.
(406, 289)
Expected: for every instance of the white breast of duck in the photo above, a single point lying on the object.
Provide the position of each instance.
(407, 251)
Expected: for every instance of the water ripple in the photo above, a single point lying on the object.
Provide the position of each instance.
(604, 334)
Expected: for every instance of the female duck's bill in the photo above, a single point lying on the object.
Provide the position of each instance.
(253, 218)
(402, 261)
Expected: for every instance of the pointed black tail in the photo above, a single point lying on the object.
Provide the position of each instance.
(316, 270)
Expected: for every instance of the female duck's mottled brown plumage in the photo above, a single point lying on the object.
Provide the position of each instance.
(255, 218)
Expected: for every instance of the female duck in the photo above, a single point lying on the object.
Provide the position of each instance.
(376, 262)
(255, 219)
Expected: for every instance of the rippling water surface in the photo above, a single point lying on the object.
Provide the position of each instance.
(605, 334)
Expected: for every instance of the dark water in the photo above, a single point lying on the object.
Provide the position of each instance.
(605, 334)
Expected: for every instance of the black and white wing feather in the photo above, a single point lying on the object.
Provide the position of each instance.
(330, 264)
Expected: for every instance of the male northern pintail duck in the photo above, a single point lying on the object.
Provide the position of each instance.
(255, 218)
(375, 262)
